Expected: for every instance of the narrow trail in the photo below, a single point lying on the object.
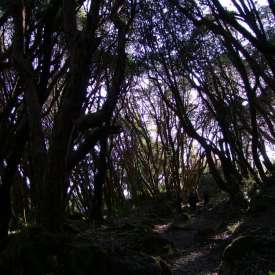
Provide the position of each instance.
(199, 241)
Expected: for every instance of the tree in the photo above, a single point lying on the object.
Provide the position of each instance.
(100, 97)
(54, 57)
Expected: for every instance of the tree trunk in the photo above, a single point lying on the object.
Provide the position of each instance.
(5, 209)
(18, 142)
(99, 179)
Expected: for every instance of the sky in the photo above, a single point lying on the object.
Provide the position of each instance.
(228, 3)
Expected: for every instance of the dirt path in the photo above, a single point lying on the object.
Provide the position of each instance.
(199, 242)
(198, 258)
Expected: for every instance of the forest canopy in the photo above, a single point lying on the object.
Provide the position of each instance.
(107, 101)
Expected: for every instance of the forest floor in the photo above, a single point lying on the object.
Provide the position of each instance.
(201, 240)
(198, 238)
(152, 239)
(195, 241)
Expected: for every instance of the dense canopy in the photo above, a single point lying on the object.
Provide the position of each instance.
(103, 102)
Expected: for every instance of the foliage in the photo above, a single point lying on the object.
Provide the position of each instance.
(121, 100)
